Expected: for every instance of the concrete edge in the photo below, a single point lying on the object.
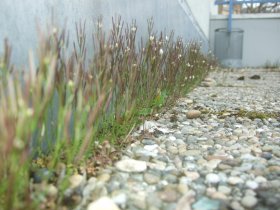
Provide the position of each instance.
(246, 16)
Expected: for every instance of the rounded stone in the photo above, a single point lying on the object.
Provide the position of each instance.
(267, 148)
(250, 192)
(76, 181)
(212, 164)
(151, 148)
(233, 180)
(119, 198)
(104, 177)
(276, 152)
(192, 175)
(219, 196)
(138, 200)
(153, 200)
(249, 201)
(204, 203)
(188, 101)
(252, 184)
(266, 155)
(185, 202)
(212, 178)
(169, 195)
(218, 156)
(260, 179)
(192, 152)
(232, 162)
(224, 189)
(103, 203)
(170, 178)
(210, 191)
(94, 190)
(224, 167)
(151, 178)
(274, 169)
(182, 188)
(130, 165)
(51, 191)
(148, 142)
(235, 205)
(192, 114)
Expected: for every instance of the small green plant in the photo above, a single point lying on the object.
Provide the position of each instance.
(257, 115)
(243, 113)
(59, 110)
(271, 65)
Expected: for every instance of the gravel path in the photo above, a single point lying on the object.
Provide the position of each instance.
(209, 152)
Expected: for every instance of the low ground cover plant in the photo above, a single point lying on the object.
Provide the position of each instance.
(63, 111)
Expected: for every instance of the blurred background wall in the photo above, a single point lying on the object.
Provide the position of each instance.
(20, 20)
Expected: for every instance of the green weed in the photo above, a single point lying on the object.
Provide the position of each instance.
(58, 112)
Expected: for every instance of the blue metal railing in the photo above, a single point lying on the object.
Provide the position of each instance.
(221, 2)
(231, 4)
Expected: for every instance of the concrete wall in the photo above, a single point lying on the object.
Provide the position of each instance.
(261, 43)
(201, 12)
(18, 19)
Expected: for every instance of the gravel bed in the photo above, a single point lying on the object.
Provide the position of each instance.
(201, 154)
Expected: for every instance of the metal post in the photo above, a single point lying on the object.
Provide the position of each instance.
(231, 4)
(230, 15)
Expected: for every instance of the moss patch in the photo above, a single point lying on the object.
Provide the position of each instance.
(242, 113)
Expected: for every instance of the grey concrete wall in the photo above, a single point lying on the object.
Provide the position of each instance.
(201, 12)
(19, 19)
(261, 43)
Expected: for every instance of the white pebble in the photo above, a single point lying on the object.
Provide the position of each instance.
(103, 203)
(151, 147)
(252, 184)
(172, 138)
(130, 165)
(212, 178)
